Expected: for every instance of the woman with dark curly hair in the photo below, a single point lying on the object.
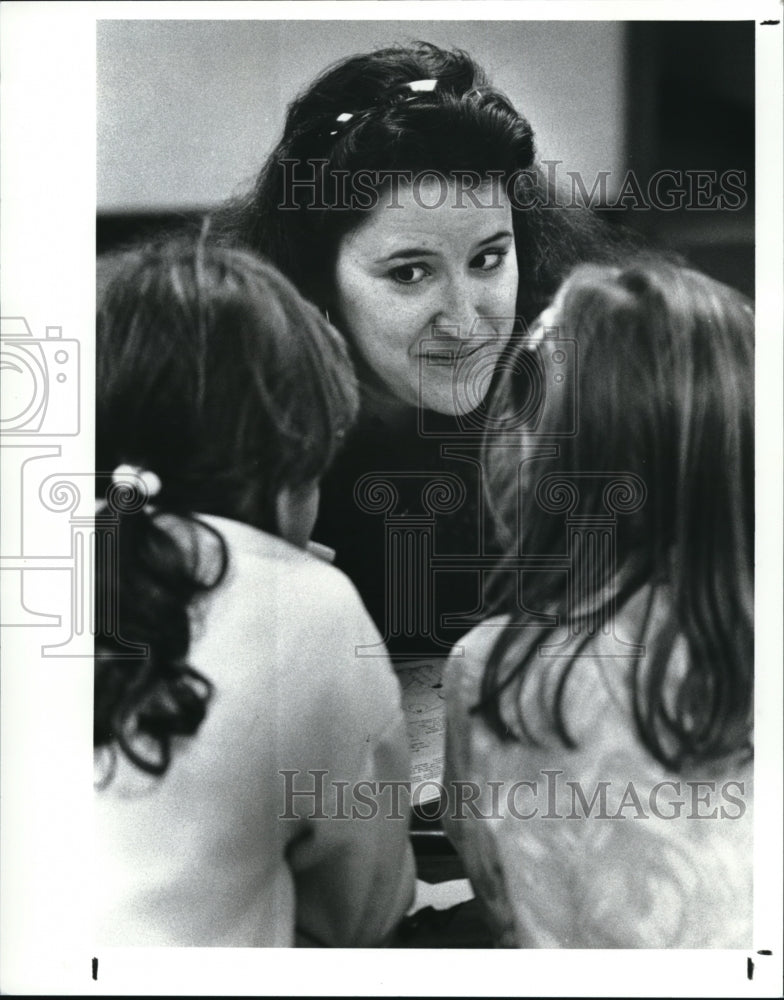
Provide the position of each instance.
(405, 201)
(231, 713)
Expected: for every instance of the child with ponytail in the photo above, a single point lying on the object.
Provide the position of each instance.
(233, 718)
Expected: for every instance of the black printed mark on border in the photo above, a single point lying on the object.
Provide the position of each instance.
(750, 962)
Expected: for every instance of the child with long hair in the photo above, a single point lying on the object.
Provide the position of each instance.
(233, 719)
(600, 728)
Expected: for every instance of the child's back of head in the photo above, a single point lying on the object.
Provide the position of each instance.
(653, 431)
(216, 375)
(622, 669)
(226, 664)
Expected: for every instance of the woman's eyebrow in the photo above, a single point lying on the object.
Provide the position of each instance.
(500, 235)
(407, 254)
(412, 252)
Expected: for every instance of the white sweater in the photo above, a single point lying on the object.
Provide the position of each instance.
(201, 855)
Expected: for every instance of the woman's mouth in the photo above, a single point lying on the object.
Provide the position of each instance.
(448, 355)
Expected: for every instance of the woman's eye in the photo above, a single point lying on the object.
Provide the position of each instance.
(408, 274)
(489, 260)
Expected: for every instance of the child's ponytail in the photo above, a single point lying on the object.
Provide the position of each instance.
(147, 579)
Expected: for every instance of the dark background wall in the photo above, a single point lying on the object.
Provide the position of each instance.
(690, 107)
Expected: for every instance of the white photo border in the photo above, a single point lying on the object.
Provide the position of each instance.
(47, 244)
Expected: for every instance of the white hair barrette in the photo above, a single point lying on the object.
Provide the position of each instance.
(136, 476)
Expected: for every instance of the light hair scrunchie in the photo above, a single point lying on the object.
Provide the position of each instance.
(134, 475)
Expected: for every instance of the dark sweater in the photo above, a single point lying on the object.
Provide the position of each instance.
(402, 507)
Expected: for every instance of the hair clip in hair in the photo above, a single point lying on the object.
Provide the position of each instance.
(406, 92)
(420, 86)
(413, 89)
(133, 475)
(342, 119)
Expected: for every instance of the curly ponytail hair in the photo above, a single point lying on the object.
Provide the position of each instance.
(145, 691)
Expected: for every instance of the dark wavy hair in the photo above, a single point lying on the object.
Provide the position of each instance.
(664, 395)
(464, 125)
(213, 373)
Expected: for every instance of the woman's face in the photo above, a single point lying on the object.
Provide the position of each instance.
(426, 295)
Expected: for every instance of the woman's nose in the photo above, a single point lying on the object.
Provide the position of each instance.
(458, 309)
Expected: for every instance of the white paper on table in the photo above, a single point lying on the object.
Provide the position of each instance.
(441, 895)
(425, 712)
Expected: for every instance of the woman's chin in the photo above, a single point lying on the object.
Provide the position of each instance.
(448, 400)
(462, 390)
(457, 397)
(453, 406)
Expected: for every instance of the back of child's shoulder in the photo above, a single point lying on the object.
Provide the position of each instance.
(293, 618)
(468, 658)
(273, 583)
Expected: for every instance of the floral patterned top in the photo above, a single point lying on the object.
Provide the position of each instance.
(597, 846)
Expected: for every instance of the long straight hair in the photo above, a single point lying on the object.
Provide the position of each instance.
(662, 378)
